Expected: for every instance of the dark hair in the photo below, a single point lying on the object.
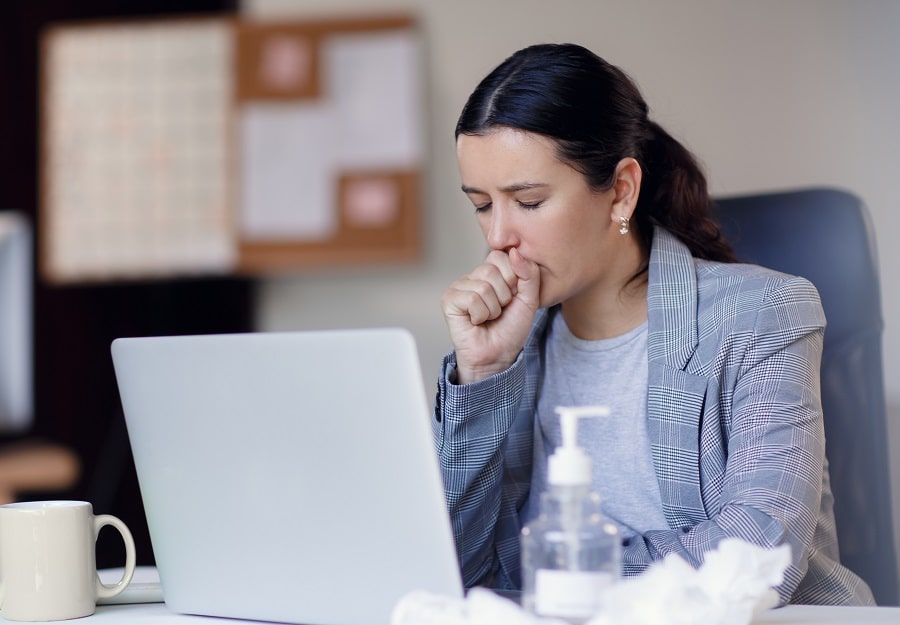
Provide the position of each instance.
(596, 116)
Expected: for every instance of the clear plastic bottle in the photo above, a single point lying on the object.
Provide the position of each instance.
(570, 553)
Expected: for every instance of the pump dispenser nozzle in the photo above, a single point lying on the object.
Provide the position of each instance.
(569, 465)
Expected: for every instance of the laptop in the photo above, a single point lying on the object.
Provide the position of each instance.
(287, 476)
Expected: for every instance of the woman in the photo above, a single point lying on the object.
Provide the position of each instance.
(609, 282)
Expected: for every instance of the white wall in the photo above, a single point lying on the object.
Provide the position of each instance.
(769, 94)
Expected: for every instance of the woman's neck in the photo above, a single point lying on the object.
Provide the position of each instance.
(594, 316)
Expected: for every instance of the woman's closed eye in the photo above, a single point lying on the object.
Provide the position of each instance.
(523, 204)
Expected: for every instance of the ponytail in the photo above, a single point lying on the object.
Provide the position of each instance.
(674, 195)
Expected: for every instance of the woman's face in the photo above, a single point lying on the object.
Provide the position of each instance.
(525, 197)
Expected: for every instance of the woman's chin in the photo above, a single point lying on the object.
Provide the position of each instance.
(549, 300)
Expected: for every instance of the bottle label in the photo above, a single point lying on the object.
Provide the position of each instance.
(569, 594)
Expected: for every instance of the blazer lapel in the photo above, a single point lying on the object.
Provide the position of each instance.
(675, 398)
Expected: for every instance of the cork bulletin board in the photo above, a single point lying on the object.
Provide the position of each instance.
(218, 146)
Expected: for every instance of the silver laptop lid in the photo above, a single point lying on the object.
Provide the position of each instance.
(287, 476)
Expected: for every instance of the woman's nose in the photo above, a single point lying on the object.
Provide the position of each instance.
(500, 233)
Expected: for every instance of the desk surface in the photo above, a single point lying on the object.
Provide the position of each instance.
(136, 613)
(829, 615)
(132, 614)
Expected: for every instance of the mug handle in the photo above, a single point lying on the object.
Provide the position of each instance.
(108, 591)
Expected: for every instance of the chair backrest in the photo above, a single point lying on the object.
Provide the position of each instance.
(825, 235)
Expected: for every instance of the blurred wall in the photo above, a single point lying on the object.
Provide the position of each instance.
(76, 398)
(768, 94)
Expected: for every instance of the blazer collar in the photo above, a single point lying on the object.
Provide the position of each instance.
(671, 301)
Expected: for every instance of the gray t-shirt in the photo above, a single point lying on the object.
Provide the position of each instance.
(610, 372)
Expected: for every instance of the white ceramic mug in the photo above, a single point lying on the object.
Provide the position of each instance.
(48, 568)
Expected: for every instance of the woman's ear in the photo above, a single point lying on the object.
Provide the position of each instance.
(627, 187)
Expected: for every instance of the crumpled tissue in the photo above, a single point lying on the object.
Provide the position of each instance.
(735, 582)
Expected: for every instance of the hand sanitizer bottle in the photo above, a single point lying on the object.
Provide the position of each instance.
(570, 553)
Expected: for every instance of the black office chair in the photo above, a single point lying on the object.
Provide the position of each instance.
(825, 236)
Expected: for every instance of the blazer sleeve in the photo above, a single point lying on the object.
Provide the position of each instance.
(471, 430)
(771, 485)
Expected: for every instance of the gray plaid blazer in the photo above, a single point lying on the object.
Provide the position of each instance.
(734, 420)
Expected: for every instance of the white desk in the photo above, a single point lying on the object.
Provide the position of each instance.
(139, 614)
(152, 613)
(828, 615)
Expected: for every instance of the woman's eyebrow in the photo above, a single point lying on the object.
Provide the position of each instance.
(519, 186)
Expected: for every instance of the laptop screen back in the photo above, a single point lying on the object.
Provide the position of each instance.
(287, 476)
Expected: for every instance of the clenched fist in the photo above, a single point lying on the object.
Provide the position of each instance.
(489, 313)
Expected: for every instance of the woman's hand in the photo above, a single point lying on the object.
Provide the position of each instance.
(489, 313)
